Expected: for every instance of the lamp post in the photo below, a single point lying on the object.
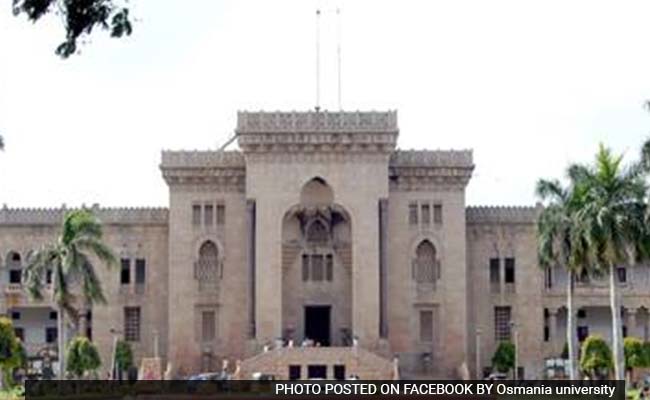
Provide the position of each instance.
(513, 328)
(478, 353)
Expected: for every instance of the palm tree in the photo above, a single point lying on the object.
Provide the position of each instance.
(68, 260)
(559, 243)
(612, 222)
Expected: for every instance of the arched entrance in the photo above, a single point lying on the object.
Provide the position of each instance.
(317, 269)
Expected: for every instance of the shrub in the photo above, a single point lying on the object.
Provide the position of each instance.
(504, 357)
(82, 357)
(596, 357)
(123, 356)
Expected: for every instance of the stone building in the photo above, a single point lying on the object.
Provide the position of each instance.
(318, 230)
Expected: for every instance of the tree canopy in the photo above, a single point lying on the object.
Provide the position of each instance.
(79, 18)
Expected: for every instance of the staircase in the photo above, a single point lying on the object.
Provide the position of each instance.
(362, 363)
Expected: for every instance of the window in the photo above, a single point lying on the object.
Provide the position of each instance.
(425, 265)
(317, 267)
(196, 215)
(502, 317)
(208, 325)
(622, 274)
(339, 372)
(140, 271)
(15, 315)
(125, 274)
(208, 215)
(413, 214)
(547, 334)
(295, 371)
(305, 267)
(548, 275)
(15, 276)
(583, 333)
(495, 274)
(207, 267)
(51, 335)
(426, 214)
(329, 266)
(426, 326)
(132, 324)
(317, 371)
(510, 270)
(437, 213)
(582, 313)
(221, 214)
(53, 315)
(20, 334)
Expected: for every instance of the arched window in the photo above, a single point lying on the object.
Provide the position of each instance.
(426, 267)
(207, 267)
(317, 232)
(14, 264)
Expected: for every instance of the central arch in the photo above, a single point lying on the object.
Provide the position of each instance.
(317, 269)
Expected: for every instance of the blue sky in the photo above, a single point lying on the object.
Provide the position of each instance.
(528, 85)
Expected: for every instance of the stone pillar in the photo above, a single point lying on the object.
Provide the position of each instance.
(383, 272)
(552, 327)
(250, 252)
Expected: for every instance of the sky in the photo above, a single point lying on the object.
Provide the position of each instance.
(529, 86)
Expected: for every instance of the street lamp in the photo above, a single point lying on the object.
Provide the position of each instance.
(478, 353)
(513, 328)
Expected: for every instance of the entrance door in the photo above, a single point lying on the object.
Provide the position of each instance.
(317, 324)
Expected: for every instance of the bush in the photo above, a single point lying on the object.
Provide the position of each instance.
(12, 353)
(82, 357)
(596, 357)
(504, 357)
(635, 356)
(123, 356)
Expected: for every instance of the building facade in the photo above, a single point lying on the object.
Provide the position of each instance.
(319, 231)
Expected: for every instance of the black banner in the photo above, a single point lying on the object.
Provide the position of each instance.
(550, 390)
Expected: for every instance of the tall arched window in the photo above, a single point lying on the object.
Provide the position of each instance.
(207, 267)
(425, 265)
(14, 264)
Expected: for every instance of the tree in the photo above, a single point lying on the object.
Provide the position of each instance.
(123, 356)
(504, 357)
(612, 222)
(79, 17)
(560, 243)
(635, 356)
(68, 260)
(596, 357)
(82, 356)
(12, 353)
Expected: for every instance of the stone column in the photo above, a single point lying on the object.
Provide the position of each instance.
(250, 220)
(383, 273)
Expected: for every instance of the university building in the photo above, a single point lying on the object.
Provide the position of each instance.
(319, 250)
